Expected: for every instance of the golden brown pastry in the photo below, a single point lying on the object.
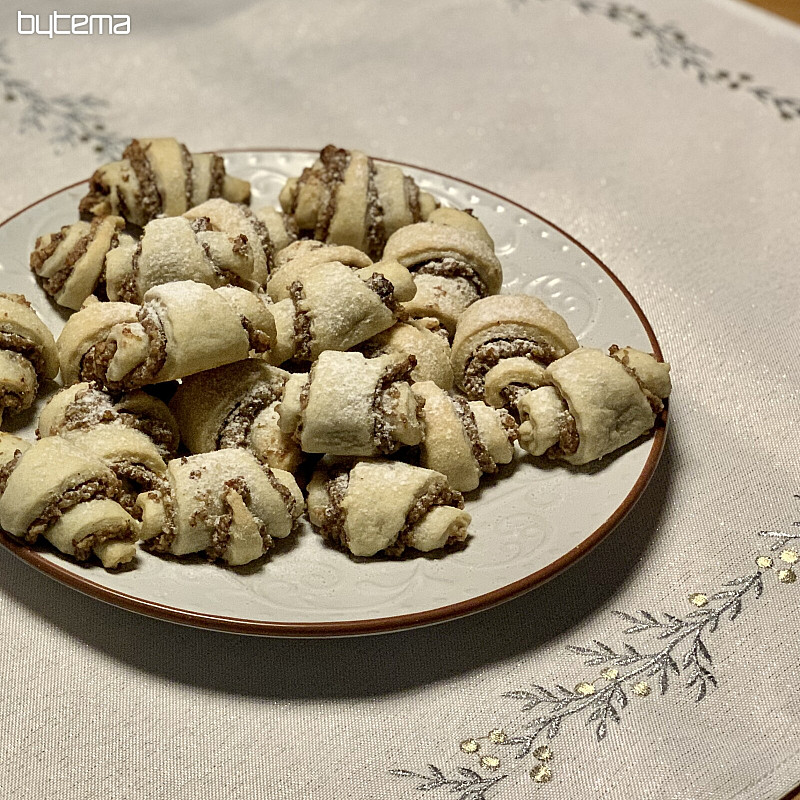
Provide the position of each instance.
(426, 340)
(349, 405)
(331, 308)
(452, 260)
(501, 327)
(348, 198)
(225, 504)
(28, 354)
(159, 177)
(177, 249)
(82, 406)
(463, 440)
(235, 406)
(266, 231)
(386, 506)
(595, 404)
(71, 263)
(180, 329)
(58, 490)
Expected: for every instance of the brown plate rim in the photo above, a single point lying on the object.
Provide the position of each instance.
(381, 624)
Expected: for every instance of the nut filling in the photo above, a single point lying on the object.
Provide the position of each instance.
(452, 268)
(491, 353)
(235, 429)
(302, 323)
(128, 291)
(263, 236)
(376, 234)
(656, 404)
(94, 364)
(217, 176)
(8, 468)
(55, 283)
(335, 162)
(163, 541)
(568, 437)
(382, 431)
(221, 524)
(441, 495)
(25, 347)
(148, 196)
(479, 450)
(119, 533)
(188, 164)
(95, 488)
(332, 527)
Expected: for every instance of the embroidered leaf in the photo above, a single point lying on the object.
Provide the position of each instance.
(701, 692)
(735, 609)
(619, 693)
(583, 651)
(704, 651)
(602, 730)
(404, 773)
(468, 773)
(520, 695)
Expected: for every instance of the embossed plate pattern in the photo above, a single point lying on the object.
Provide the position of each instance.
(528, 524)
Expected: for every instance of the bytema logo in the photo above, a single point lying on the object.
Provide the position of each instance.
(72, 24)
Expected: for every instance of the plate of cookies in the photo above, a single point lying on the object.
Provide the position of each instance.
(290, 393)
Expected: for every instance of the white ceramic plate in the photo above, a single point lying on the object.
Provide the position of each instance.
(529, 523)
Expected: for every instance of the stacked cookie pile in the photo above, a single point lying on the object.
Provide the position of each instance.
(220, 355)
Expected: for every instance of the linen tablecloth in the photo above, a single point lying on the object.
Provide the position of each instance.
(663, 135)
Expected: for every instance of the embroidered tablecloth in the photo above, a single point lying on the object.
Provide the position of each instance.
(664, 135)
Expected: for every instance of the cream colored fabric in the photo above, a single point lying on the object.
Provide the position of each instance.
(686, 189)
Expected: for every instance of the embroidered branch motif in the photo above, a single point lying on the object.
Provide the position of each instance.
(678, 651)
(672, 47)
(471, 785)
(69, 120)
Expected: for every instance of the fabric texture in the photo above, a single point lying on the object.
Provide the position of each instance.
(664, 136)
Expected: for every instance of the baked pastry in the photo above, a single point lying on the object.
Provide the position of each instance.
(501, 327)
(346, 197)
(349, 405)
(56, 489)
(333, 308)
(266, 231)
(463, 440)
(71, 263)
(177, 249)
(225, 504)
(82, 406)
(452, 260)
(426, 340)
(28, 354)
(386, 506)
(130, 454)
(180, 329)
(235, 406)
(595, 404)
(159, 177)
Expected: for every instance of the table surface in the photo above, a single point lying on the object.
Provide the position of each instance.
(785, 8)
(663, 135)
